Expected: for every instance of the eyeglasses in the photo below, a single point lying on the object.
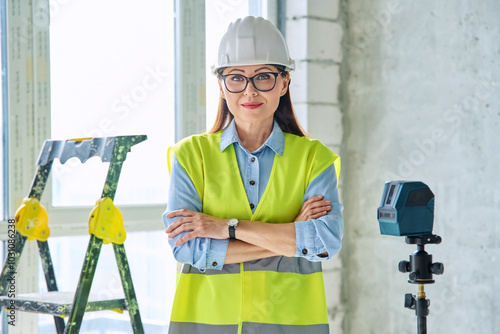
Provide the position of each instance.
(237, 83)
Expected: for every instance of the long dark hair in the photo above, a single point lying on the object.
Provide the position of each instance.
(284, 115)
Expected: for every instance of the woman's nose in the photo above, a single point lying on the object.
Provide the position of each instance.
(250, 89)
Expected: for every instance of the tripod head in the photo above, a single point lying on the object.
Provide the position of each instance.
(420, 265)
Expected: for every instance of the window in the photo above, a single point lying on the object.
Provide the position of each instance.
(112, 74)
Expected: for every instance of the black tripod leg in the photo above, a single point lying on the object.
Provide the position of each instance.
(422, 325)
(422, 311)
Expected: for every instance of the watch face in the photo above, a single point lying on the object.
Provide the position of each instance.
(232, 222)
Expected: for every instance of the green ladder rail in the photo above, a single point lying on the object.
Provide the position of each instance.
(73, 305)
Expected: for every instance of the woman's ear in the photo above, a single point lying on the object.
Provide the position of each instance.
(221, 90)
(286, 83)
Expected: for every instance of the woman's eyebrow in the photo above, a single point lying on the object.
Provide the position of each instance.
(236, 69)
(258, 69)
(263, 68)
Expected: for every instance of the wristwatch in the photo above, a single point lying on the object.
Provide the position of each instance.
(232, 223)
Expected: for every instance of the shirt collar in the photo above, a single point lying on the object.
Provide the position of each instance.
(276, 140)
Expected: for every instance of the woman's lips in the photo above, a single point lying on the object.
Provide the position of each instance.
(251, 105)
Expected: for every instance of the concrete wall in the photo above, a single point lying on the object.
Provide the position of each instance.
(423, 104)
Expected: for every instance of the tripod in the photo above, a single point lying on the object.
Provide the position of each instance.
(421, 269)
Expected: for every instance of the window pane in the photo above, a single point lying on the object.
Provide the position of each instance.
(112, 74)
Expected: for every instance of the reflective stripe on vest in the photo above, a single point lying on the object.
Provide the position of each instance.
(247, 328)
(272, 295)
(280, 264)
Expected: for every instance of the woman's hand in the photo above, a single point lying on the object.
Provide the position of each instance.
(313, 208)
(200, 225)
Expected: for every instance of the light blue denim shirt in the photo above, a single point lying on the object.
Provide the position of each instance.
(316, 236)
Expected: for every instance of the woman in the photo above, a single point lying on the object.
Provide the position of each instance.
(253, 204)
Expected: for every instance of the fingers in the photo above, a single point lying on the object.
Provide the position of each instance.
(320, 205)
(319, 209)
(185, 238)
(182, 212)
(317, 215)
(312, 200)
(198, 224)
(314, 208)
(179, 213)
(175, 225)
(181, 228)
(316, 203)
(309, 216)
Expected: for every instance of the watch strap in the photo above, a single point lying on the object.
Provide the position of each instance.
(232, 234)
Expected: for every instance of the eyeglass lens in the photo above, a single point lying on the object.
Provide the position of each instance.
(237, 83)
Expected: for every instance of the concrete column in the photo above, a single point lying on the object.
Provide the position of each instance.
(314, 34)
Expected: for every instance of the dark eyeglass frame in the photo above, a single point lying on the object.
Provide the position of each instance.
(275, 74)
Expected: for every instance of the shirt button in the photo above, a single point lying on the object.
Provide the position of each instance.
(252, 182)
(252, 206)
(253, 159)
(304, 251)
(214, 263)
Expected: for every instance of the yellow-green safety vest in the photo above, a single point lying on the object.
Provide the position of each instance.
(272, 295)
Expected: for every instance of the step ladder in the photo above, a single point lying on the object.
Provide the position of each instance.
(105, 226)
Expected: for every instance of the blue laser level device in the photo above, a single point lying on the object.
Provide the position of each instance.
(406, 209)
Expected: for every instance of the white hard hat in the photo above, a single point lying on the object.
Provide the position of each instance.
(253, 41)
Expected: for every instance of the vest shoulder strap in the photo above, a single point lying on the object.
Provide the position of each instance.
(319, 156)
(190, 153)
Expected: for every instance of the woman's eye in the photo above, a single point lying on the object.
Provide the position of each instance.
(264, 76)
(237, 78)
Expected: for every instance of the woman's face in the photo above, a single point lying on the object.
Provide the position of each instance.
(252, 106)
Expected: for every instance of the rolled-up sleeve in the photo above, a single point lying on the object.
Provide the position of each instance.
(317, 236)
(202, 253)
